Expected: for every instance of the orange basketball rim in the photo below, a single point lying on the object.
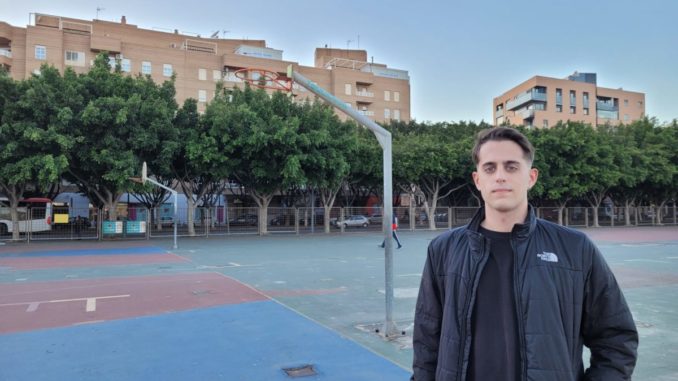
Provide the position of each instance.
(265, 79)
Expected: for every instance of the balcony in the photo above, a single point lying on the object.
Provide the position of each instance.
(5, 58)
(606, 106)
(524, 98)
(526, 114)
(366, 112)
(364, 94)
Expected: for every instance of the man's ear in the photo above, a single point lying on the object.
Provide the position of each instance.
(476, 178)
(534, 175)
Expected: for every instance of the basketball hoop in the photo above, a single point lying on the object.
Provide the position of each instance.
(265, 79)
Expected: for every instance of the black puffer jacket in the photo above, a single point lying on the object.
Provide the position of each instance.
(566, 297)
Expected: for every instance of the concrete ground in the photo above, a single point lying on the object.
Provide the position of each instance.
(246, 307)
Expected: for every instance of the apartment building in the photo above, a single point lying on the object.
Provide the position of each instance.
(544, 101)
(377, 91)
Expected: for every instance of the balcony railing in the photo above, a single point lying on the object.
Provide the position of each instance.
(606, 106)
(366, 112)
(524, 98)
(364, 94)
(526, 114)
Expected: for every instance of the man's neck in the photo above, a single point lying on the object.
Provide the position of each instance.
(503, 221)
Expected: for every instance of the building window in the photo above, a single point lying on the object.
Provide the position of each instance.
(573, 100)
(396, 114)
(231, 77)
(640, 103)
(546, 123)
(559, 96)
(202, 74)
(202, 96)
(167, 70)
(71, 56)
(396, 96)
(216, 75)
(626, 103)
(585, 99)
(387, 95)
(75, 58)
(626, 117)
(387, 113)
(559, 108)
(586, 111)
(126, 65)
(146, 67)
(573, 110)
(347, 89)
(40, 52)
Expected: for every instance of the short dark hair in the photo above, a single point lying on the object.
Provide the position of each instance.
(501, 134)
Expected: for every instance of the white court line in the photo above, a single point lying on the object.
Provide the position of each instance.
(90, 303)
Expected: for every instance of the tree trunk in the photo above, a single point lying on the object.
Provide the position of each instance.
(627, 212)
(190, 203)
(262, 200)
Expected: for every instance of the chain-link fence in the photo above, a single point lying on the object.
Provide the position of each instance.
(66, 223)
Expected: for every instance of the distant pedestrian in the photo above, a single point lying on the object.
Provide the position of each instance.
(394, 227)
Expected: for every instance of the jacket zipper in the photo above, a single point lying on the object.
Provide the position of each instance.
(467, 305)
(519, 313)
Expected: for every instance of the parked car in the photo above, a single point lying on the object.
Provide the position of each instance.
(245, 220)
(282, 220)
(355, 221)
(376, 218)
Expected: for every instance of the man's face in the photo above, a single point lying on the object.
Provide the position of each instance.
(503, 176)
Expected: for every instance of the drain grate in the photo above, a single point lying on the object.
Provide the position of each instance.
(300, 371)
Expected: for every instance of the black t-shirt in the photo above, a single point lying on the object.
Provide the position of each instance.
(495, 348)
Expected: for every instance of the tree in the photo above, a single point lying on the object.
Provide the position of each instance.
(327, 152)
(559, 159)
(32, 149)
(120, 122)
(266, 144)
(428, 161)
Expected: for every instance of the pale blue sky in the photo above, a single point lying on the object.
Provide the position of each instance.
(459, 54)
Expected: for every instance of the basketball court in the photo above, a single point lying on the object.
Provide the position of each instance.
(262, 308)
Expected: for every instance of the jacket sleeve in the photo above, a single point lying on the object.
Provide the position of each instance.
(608, 327)
(427, 324)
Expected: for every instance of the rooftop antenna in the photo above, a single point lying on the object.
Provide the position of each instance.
(215, 35)
(348, 43)
(223, 33)
(98, 10)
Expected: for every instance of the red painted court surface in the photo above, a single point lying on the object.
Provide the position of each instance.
(31, 306)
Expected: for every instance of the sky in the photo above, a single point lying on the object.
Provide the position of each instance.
(459, 54)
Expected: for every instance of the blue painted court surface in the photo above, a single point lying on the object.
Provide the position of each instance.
(248, 341)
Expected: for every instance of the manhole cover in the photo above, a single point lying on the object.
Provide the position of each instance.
(300, 371)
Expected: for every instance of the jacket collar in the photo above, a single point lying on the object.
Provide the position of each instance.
(520, 231)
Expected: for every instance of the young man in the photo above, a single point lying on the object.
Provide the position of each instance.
(513, 297)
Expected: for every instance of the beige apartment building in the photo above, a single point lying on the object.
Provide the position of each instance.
(377, 91)
(543, 102)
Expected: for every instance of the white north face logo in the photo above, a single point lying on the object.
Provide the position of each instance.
(548, 257)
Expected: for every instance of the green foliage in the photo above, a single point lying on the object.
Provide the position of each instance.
(96, 128)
